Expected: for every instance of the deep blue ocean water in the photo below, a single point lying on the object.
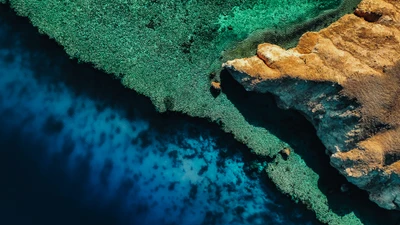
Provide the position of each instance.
(76, 147)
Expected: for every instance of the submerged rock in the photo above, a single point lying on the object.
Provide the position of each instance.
(345, 79)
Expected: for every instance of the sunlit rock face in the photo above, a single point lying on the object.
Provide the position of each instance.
(78, 148)
(345, 80)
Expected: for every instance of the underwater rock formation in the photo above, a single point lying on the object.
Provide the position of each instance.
(345, 79)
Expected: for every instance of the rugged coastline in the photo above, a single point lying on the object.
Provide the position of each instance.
(344, 79)
(185, 90)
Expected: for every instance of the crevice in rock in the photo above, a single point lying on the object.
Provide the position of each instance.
(391, 157)
(368, 16)
(394, 202)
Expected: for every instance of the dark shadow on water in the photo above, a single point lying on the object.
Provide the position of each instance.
(261, 110)
(31, 195)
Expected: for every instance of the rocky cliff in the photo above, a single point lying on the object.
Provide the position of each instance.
(346, 80)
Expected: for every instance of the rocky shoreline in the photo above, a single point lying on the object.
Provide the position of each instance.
(344, 79)
(175, 73)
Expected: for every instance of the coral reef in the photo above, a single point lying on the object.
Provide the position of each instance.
(166, 50)
(345, 80)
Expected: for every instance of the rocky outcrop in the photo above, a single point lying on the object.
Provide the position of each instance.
(346, 80)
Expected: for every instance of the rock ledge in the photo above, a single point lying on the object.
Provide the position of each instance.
(346, 80)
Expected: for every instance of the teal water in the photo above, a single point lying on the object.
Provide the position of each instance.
(79, 148)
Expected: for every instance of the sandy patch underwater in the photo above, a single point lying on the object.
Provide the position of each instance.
(78, 148)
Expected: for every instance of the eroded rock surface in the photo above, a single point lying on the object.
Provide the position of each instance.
(346, 80)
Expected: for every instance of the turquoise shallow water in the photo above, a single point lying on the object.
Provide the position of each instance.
(78, 148)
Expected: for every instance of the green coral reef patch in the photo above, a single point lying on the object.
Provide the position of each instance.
(167, 49)
(266, 15)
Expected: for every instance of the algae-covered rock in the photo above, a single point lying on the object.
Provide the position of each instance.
(345, 80)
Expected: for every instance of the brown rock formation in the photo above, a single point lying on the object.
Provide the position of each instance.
(346, 80)
(216, 85)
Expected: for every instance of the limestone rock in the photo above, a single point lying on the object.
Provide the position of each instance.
(216, 85)
(346, 80)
